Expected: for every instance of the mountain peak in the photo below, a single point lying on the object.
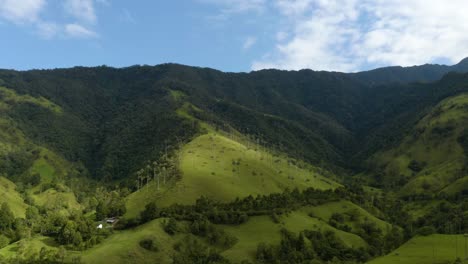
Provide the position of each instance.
(463, 62)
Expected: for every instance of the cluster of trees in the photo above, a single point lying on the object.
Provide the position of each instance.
(309, 247)
(191, 250)
(8, 226)
(16, 162)
(109, 204)
(214, 236)
(238, 211)
(158, 172)
(70, 227)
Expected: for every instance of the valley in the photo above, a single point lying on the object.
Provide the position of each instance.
(178, 164)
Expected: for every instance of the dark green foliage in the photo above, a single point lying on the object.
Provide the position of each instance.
(115, 120)
(191, 250)
(151, 212)
(16, 163)
(426, 230)
(7, 218)
(307, 247)
(112, 205)
(149, 244)
(416, 166)
(171, 226)
(214, 236)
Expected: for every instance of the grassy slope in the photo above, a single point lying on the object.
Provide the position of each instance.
(325, 211)
(263, 229)
(14, 200)
(207, 169)
(123, 247)
(49, 165)
(430, 249)
(441, 152)
(32, 246)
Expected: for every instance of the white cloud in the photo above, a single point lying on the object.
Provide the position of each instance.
(231, 7)
(236, 6)
(21, 11)
(349, 35)
(30, 13)
(249, 42)
(81, 9)
(47, 30)
(79, 31)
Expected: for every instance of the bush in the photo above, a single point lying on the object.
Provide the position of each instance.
(171, 226)
(4, 241)
(426, 231)
(416, 166)
(149, 244)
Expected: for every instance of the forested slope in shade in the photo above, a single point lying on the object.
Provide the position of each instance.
(113, 120)
(432, 157)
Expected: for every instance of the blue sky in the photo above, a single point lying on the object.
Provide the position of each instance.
(232, 35)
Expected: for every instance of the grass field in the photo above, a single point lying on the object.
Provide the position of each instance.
(263, 229)
(424, 250)
(9, 195)
(30, 247)
(221, 168)
(325, 211)
(123, 246)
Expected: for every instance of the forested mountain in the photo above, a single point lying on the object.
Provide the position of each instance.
(109, 114)
(397, 74)
(193, 159)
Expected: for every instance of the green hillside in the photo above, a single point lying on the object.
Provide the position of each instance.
(428, 249)
(215, 166)
(194, 164)
(431, 158)
(12, 197)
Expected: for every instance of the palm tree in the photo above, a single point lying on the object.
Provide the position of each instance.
(139, 179)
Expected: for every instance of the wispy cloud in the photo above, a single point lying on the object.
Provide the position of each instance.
(249, 42)
(82, 10)
(30, 13)
(47, 30)
(228, 8)
(350, 35)
(20, 12)
(78, 31)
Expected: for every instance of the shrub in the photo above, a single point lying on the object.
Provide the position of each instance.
(4, 241)
(426, 231)
(149, 243)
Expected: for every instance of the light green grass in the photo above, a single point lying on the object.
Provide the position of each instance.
(14, 200)
(207, 169)
(31, 246)
(123, 246)
(262, 229)
(44, 168)
(300, 220)
(51, 198)
(423, 250)
(10, 97)
(325, 211)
